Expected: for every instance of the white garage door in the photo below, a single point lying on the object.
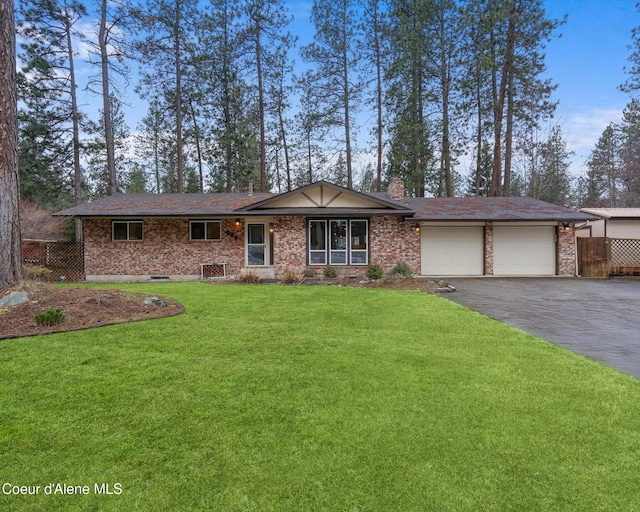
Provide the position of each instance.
(524, 250)
(456, 251)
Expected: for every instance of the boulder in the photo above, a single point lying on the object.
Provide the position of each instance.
(13, 299)
(155, 301)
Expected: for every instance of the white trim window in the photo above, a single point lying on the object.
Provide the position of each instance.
(126, 230)
(200, 230)
(256, 244)
(317, 242)
(338, 242)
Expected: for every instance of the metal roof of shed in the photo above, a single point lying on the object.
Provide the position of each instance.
(614, 213)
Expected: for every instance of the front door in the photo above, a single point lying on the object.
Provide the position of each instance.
(256, 245)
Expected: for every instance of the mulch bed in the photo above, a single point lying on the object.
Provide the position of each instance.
(83, 308)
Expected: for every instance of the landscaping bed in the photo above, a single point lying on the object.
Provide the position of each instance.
(82, 308)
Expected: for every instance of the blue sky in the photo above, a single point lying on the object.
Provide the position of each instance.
(587, 62)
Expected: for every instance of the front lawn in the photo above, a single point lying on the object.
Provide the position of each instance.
(304, 398)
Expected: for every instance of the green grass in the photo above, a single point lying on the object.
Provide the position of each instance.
(263, 398)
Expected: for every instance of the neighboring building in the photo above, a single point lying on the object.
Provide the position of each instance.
(612, 223)
(190, 236)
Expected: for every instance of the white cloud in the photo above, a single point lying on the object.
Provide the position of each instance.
(583, 129)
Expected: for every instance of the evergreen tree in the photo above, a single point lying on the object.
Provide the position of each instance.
(233, 153)
(553, 184)
(375, 53)
(136, 181)
(601, 186)
(154, 145)
(45, 154)
(49, 29)
(509, 38)
(545, 173)
(444, 32)
(99, 166)
(111, 49)
(411, 154)
(336, 72)
(167, 52)
(630, 154)
(311, 130)
(266, 21)
(632, 84)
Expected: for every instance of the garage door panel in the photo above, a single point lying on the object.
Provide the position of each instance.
(524, 250)
(452, 251)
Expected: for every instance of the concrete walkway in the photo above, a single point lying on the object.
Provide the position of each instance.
(599, 319)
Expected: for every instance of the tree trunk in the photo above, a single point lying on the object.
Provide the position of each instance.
(479, 162)
(347, 124)
(10, 250)
(378, 56)
(106, 101)
(156, 156)
(285, 147)
(499, 96)
(75, 117)
(446, 143)
(196, 135)
(506, 187)
(178, 101)
(309, 164)
(263, 151)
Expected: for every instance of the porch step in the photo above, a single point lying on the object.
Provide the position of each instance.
(263, 272)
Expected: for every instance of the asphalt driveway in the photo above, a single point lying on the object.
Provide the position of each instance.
(599, 319)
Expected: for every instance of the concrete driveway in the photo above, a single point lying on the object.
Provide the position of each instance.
(599, 319)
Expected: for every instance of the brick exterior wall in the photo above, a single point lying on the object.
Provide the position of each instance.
(167, 250)
(566, 252)
(290, 243)
(391, 241)
(164, 250)
(394, 241)
(488, 250)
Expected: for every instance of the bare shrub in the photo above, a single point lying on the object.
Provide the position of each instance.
(36, 223)
(291, 277)
(250, 277)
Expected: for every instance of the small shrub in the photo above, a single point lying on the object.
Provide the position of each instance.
(309, 272)
(374, 272)
(291, 277)
(402, 270)
(36, 272)
(50, 317)
(330, 272)
(250, 277)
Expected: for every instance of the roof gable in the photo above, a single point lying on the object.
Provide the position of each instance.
(323, 195)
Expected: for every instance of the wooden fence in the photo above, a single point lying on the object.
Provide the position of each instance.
(604, 257)
(64, 260)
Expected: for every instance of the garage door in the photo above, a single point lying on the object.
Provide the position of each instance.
(457, 251)
(524, 250)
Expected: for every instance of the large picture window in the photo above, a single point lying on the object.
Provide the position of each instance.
(125, 230)
(204, 230)
(338, 242)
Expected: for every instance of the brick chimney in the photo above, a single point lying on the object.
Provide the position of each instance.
(396, 188)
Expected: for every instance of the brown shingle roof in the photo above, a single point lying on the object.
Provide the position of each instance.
(164, 205)
(490, 209)
(469, 209)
